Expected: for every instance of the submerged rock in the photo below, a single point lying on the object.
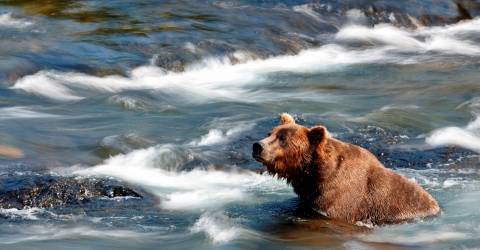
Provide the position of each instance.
(410, 13)
(53, 191)
(121, 144)
(384, 144)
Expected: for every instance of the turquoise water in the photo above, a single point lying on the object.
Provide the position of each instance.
(167, 97)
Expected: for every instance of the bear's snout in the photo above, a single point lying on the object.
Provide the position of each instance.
(257, 150)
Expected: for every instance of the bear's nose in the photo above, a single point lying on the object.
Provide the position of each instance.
(257, 150)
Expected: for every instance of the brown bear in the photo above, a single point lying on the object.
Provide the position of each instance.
(340, 180)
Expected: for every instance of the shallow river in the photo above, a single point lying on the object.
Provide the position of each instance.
(167, 97)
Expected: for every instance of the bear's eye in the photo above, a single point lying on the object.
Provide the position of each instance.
(269, 134)
(281, 137)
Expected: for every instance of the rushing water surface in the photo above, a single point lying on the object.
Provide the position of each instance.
(167, 97)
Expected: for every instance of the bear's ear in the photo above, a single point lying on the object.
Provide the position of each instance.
(318, 135)
(286, 119)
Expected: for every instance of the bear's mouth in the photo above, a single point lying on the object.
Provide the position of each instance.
(258, 158)
(270, 168)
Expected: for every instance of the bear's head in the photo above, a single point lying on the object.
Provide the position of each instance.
(289, 147)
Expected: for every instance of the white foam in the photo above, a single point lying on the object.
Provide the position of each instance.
(45, 84)
(243, 78)
(406, 40)
(213, 78)
(217, 136)
(451, 182)
(202, 199)
(420, 237)
(155, 169)
(120, 198)
(218, 227)
(442, 179)
(6, 20)
(214, 136)
(401, 107)
(392, 17)
(20, 112)
(307, 10)
(454, 136)
(27, 213)
(127, 102)
(365, 224)
(466, 137)
(191, 47)
(50, 232)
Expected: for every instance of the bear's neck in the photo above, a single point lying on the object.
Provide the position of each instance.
(308, 180)
(305, 182)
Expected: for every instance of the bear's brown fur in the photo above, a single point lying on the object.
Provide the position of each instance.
(341, 180)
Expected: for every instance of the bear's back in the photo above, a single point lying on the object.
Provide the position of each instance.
(355, 186)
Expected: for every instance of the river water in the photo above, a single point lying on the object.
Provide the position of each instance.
(167, 97)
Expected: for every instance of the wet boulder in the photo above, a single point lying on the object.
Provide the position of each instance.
(385, 144)
(410, 13)
(46, 191)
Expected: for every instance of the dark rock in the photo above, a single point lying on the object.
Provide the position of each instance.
(169, 62)
(55, 191)
(407, 13)
(384, 143)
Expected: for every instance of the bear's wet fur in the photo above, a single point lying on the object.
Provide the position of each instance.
(340, 180)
